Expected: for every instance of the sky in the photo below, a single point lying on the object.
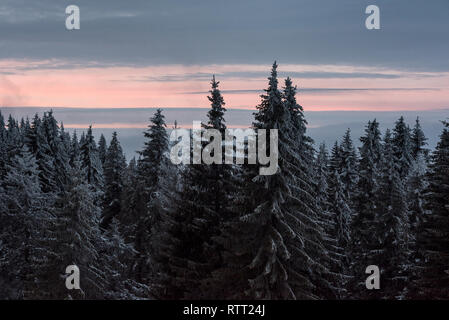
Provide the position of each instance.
(163, 53)
(132, 56)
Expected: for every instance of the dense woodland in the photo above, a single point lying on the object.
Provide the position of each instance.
(147, 229)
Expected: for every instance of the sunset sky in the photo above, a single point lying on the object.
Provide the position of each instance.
(164, 53)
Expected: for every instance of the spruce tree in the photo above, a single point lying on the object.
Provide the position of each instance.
(348, 167)
(116, 257)
(114, 167)
(74, 149)
(433, 240)
(150, 174)
(402, 147)
(418, 141)
(75, 239)
(91, 164)
(102, 149)
(3, 148)
(129, 201)
(23, 220)
(328, 198)
(340, 213)
(392, 226)
(279, 250)
(363, 226)
(201, 207)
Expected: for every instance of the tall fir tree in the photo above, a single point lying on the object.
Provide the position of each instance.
(402, 147)
(392, 226)
(348, 167)
(328, 200)
(102, 149)
(3, 148)
(150, 174)
(340, 213)
(75, 239)
(114, 166)
(23, 219)
(91, 164)
(419, 141)
(279, 252)
(202, 206)
(363, 231)
(433, 240)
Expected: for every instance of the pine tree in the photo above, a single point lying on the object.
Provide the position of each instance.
(114, 166)
(433, 240)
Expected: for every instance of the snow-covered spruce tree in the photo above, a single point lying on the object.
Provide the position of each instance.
(392, 233)
(348, 167)
(59, 155)
(116, 256)
(200, 208)
(322, 175)
(417, 185)
(278, 238)
(74, 149)
(340, 214)
(3, 148)
(102, 149)
(22, 217)
(433, 239)
(149, 173)
(114, 166)
(327, 282)
(74, 238)
(328, 220)
(65, 139)
(418, 141)
(129, 201)
(363, 226)
(13, 138)
(36, 139)
(91, 164)
(402, 147)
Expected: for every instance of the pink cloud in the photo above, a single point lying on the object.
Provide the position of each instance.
(52, 84)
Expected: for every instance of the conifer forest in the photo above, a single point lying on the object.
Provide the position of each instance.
(145, 228)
